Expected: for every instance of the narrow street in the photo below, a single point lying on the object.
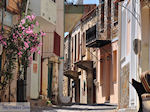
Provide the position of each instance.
(74, 55)
(77, 108)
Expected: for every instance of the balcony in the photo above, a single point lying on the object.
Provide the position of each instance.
(85, 64)
(95, 41)
(44, 10)
(71, 73)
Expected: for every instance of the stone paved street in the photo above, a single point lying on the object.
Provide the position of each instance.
(77, 108)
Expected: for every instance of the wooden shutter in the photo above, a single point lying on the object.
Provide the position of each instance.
(79, 46)
(57, 43)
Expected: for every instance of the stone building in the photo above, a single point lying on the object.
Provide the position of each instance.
(108, 55)
(94, 56)
(47, 82)
(11, 15)
(134, 49)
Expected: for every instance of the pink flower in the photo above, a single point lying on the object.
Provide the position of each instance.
(23, 21)
(33, 50)
(33, 17)
(32, 26)
(4, 43)
(37, 23)
(15, 36)
(40, 44)
(20, 25)
(26, 45)
(28, 42)
(28, 17)
(20, 53)
(42, 33)
(30, 58)
(29, 28)
(39, 52)
(24, 48)
(29, 31)
(35, 37)
(1, 37)
(23, 33)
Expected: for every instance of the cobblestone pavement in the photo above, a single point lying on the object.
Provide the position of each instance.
(77, 108)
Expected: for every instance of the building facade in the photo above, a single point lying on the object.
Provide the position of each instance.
(10, 17)
(134, 49)
(93, 55)
(47, 82)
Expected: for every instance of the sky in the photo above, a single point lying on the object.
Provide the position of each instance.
(91, 1)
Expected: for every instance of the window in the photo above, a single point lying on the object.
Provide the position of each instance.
(91, 34)
(102, 14)
(75, 51)
(83, 45)
(34, 56)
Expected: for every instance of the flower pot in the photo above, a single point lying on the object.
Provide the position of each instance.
(21, 91)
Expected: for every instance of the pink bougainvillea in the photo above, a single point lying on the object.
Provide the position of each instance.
(24, 40)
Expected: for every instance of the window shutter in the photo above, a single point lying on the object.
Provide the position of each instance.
(57, 43)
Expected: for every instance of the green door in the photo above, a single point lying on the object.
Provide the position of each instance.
(50, 76)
